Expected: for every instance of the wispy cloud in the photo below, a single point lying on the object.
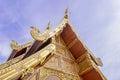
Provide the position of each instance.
(4, 48)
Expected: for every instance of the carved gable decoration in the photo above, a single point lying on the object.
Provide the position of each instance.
(57, 54)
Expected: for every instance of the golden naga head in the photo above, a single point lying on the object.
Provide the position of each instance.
(14, 44)
(34, 30)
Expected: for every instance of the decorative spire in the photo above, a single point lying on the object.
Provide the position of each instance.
(66, 14)
(48, 27)
(14, 44)
(34, 29)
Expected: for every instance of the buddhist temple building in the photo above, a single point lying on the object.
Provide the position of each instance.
(57, 54)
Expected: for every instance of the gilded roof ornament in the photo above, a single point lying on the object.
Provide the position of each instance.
(14, 45)
(48, 27)
(39, 36)
(48, 33)
(66, 14)
(15, 70)
(99, 62)
(35, 30)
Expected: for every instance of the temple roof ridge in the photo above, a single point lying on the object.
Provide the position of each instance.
(19, 68)
(82, 55)
(35, 33)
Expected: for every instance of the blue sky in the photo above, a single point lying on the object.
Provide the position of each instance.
(97, 22)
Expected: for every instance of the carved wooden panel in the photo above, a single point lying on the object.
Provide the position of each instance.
(85, 63)
(62, 64)
(52, 78)
(62, 49)
(54, 62)
(67, 65)
(46, 72)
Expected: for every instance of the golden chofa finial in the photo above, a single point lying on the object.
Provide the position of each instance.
(14, 44)
(66, 14)
(48, 27)
(34, 32)
(34, 29)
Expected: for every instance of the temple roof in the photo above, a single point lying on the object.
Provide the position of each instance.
(72, 41)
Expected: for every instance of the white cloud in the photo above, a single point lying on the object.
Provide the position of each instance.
(111, 47)
(4, 46)
(5, 50)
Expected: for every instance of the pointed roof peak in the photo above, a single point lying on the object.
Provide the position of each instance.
(48, 27)
(66, 13)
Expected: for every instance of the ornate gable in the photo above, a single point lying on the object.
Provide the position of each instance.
(57, 53)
